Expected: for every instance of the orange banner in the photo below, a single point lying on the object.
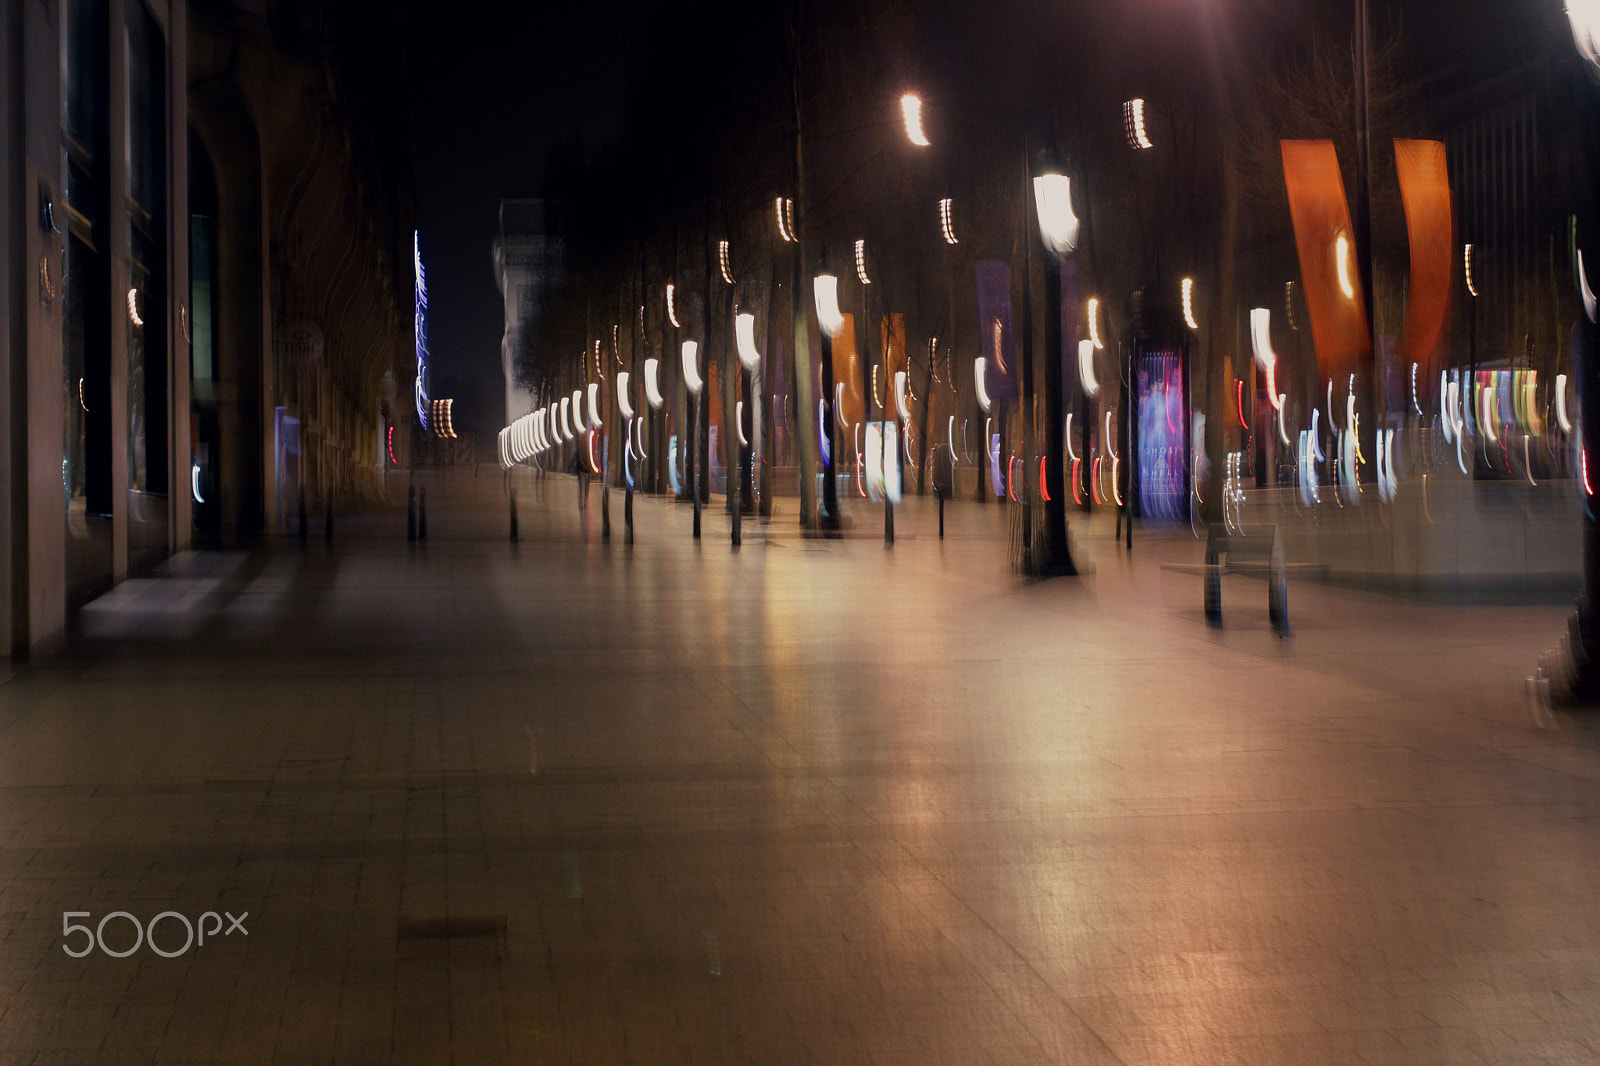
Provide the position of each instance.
(847, 372)
(1329, 269)
(1430, 226)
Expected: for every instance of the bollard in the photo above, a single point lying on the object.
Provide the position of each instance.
(888, 524)
(513, 516)
(411, 512)
(941, 514)
(627, 514)
(422, 514)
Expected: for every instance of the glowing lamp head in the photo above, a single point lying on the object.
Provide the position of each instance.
(1585, 18)
(911, 111)
(623, 403)
(744, 332)
(652, 383)
(825, 287)
(1058, 224)
(691, 367)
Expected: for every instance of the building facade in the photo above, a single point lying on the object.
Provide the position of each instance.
(206, 284)
(528, 264)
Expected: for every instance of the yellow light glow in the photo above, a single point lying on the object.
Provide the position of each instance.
(672, 307)
(1188, 304)
(911, 110)
(133, 307)
(784, 208)
(722, 261)
(1341, 252)
(861, 262)
(1133, 120)
(945, 223)
(1466, 259)
(1094, 322)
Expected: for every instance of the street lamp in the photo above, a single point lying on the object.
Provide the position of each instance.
(692, 379)
(1058, 229)
(744, 336)
(825, 290)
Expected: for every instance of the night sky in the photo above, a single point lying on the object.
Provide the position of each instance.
(494, 94)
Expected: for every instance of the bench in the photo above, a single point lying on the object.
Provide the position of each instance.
(1257, 551)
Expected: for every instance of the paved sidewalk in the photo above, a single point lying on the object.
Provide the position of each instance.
(810, 801)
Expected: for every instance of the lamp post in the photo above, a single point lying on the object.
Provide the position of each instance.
(694, 382)
(744, 333)
(1058, 229)
(1570, 674)
(825, 289)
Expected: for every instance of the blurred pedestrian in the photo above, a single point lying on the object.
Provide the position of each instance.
(581, 468)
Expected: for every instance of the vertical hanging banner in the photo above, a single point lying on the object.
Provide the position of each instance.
(847, 372)
(1430, 229)
(1325, 241)
(996, 339)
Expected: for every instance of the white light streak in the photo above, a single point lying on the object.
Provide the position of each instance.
(1585, 18)
(900, 395)
(1058, 225)
(652, 383)
(1091, 386)
(861, 262)
(722, 262)
(1583, 287)
(1094, 322)
(1561, 404)
(911, 111)
(594, 405)
(825, 287)
(1261, 337)
(1188, 304)
(562, 424)
(738, 421)
(978, 365)
(691, 367)
(744, 332)
(623, 405)
(194, 483)
(133, 308)
(672, 306)
(1466, 259)
(950, 437)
